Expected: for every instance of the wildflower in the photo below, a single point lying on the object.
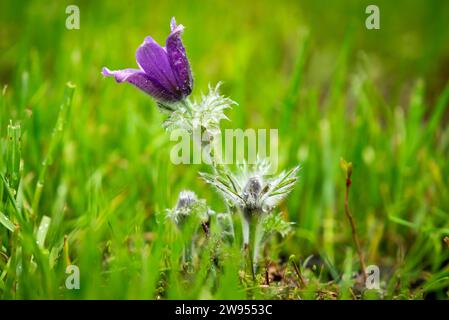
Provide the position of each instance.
(252, 191)
(188, 215)
(164, 72)
(186, 200)
(204, 115)
(187, 205)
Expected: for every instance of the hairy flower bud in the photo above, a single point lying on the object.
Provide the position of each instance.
(250, 195)
(186, 200)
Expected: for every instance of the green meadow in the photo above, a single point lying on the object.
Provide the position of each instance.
(86, 175)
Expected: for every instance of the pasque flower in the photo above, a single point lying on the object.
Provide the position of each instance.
(164, 72)
(251, 189)
(256, 195)
(187, 205)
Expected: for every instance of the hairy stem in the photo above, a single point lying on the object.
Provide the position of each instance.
(252, 239)
(188, 105)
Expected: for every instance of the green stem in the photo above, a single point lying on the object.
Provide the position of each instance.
(252, 239)
(188, 105)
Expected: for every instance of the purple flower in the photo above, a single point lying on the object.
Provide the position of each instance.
(164, 72)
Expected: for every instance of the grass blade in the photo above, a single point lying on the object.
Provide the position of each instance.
(6, 222)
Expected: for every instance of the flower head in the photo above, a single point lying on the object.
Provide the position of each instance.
(188, 204)
(204, 114)
(164, 72)
(251, 189)
(186, 200)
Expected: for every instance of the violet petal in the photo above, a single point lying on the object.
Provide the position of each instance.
(153, 59)
(142, 81)
(178, 59)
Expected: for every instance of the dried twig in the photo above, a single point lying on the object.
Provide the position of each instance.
(267, 276)
(347, 166)
(298, 271)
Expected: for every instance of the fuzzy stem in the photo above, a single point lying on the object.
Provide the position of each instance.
(257, 241)
(188, 105)
(252, 239)
(245, 230)
(246, 233)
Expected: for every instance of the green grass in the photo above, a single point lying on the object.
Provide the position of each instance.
(98, 165)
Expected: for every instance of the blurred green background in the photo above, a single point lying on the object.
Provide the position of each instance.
(311, 69)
